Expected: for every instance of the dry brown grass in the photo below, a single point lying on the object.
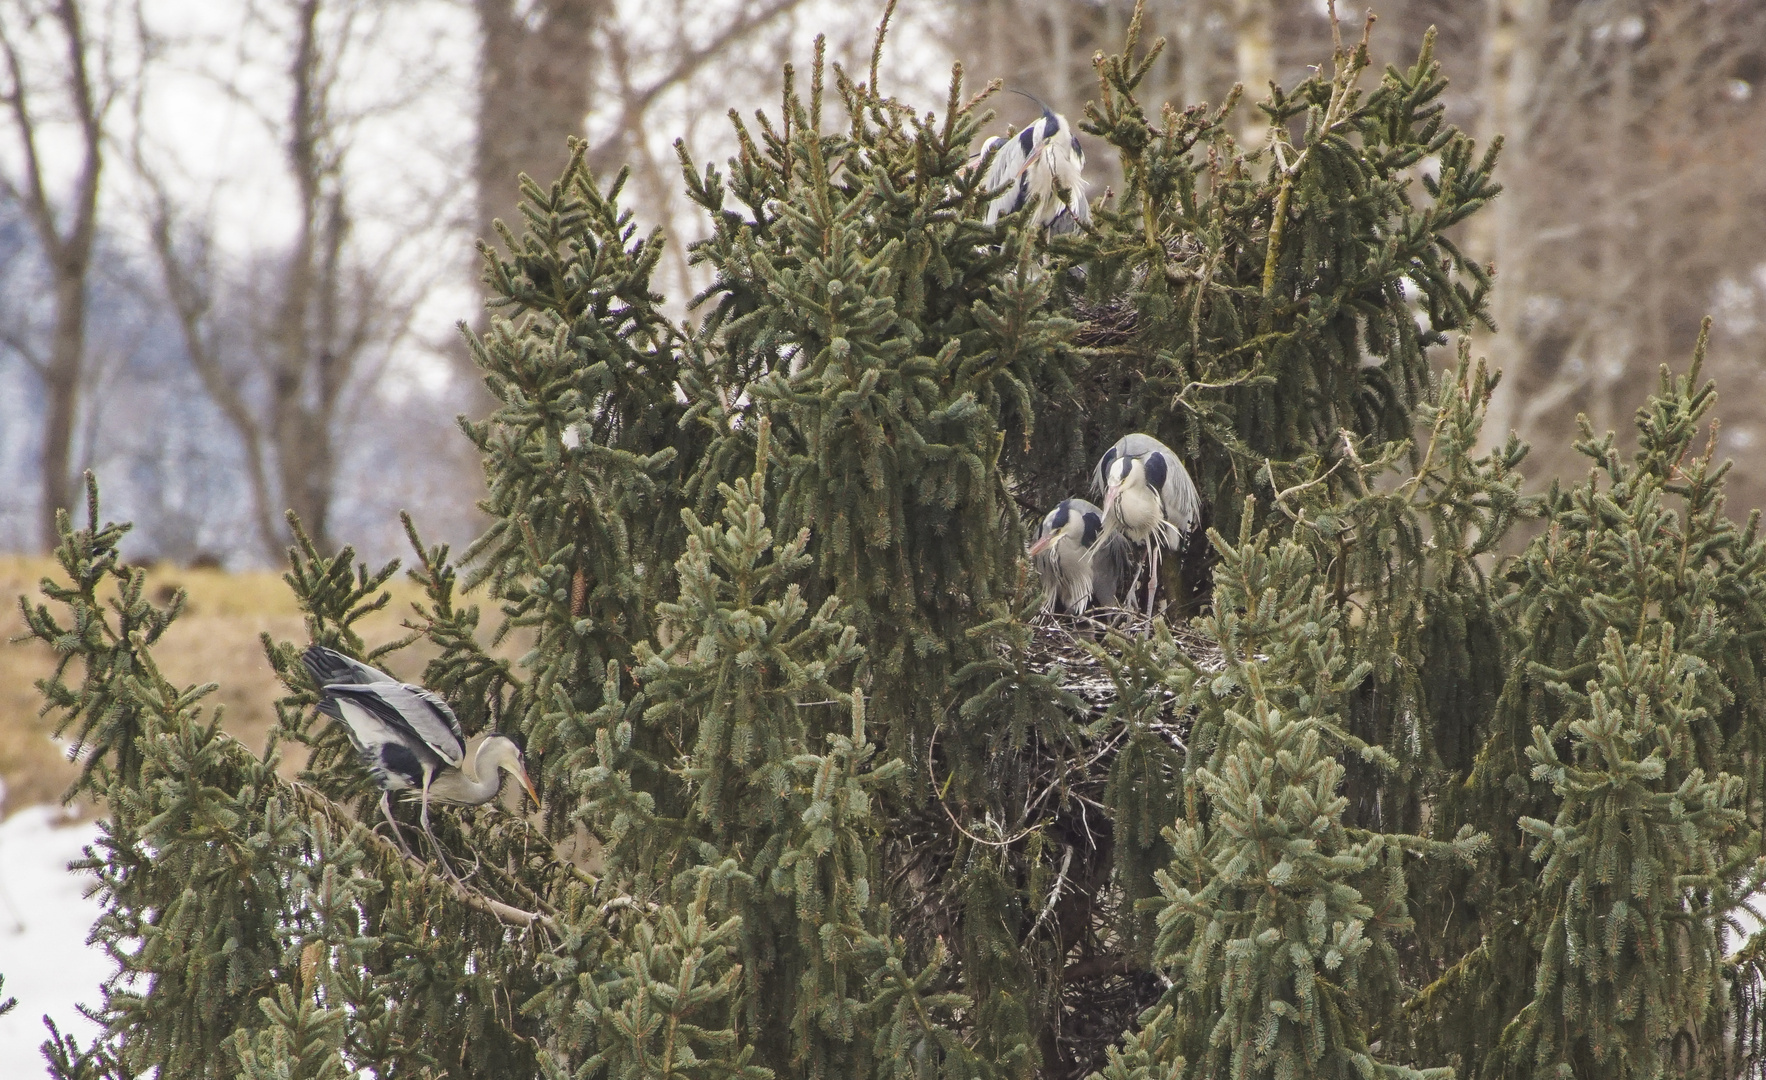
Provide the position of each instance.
(215, 640)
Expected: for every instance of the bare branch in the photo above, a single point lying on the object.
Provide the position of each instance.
(34, 197)
(27, 352)
(67, 245)
(507, 914)
(607, 156)
(191, 301)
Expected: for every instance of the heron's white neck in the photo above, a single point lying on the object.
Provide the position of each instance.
(480, 776)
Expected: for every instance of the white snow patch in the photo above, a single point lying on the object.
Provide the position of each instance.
(44, 919)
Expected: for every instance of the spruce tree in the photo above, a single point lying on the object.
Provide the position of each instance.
(822, 795)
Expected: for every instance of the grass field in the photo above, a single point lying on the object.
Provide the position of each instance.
(215, 640)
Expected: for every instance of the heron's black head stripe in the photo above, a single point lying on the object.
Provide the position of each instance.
(1093, 525)
(1109, 460)
(1027, 137)
(1156, 470)
(1059, 518)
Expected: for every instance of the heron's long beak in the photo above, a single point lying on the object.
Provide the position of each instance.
(1043, 545)
(521, 775)
(1110, 494)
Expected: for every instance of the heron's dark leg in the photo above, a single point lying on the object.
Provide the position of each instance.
(434, 844)
(386, 808)
(1131, 586)
(428, 775)
(1152, 571)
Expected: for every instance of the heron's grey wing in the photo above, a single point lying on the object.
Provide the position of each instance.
(382, 743)
(1046, 567)
(1069, 168)
(1078, 204)
(1097, 474)
(1183, 504)
(979, 158)
(446, 714)
(1007, 164)
(424, 718)
(330, 667)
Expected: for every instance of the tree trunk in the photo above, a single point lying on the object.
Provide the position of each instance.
(1254, 51)
(1513, 39)
(66, 245)
(61, 385)
(534, 84)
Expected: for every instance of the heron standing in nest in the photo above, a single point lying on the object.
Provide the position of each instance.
(1149, 499)
(1073, 579)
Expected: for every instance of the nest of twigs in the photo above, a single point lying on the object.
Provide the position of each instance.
(1114, 322)
(1107, 324)
(1065, 646)
(1039, 801)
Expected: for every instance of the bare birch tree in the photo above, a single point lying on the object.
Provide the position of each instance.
(288, 343)
(56, 37)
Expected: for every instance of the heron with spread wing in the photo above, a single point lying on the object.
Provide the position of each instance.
(409, 739)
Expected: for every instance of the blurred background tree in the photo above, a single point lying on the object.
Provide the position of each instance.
(1633, 177)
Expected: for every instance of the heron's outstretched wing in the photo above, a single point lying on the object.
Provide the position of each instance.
(391, 754)
(410, 708)
(423, 719)
(329, 667)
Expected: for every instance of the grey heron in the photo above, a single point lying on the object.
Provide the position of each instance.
(1042, 165)
(408, 738)
(1072, 579)
(1148, 499)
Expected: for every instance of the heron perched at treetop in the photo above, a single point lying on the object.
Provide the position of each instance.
(409, 738)
(1148, 499)
(1042, 164)
(1072, 579)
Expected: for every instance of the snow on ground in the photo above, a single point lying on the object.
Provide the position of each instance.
(44, 919)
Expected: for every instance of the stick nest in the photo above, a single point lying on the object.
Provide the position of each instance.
(1066, 642)
(1034, 807)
